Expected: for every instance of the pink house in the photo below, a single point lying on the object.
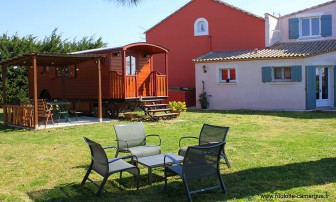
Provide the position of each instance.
(296, 71)
(199, 27)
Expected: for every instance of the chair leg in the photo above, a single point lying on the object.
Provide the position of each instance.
(221, 182)
(87, 175)
(165, 179)
(227, 161)
(52, 120)
(46, 121)
(187, 190)
(138, 178)
(100, 189)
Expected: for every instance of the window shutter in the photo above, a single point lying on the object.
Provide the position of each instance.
(296, 73)
(310, 87)
(266, 73)
(335, 86)
(326, 25)
(293, 28)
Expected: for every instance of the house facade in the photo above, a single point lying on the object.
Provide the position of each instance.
(197, 28)
(296, 70)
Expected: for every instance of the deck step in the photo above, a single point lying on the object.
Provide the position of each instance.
(153, 100)
(156, 105)
(165, 115)
(159, 110)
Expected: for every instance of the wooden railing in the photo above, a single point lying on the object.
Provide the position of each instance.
(161, 89)
(159, 84)
(19, 115)
(117, 85)
(131, 86)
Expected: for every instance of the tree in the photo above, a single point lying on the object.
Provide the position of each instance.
(127, 2)
(11, 46)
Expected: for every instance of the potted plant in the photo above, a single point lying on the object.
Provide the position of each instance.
(203, 97)
(203, 100)
(177, 107)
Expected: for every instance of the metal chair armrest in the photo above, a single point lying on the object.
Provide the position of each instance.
(186, 137)
(123, 141)
(110, 147)
(155, 136)
(172, 159)
(125, 157)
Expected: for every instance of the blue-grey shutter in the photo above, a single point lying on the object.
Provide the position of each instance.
(296, 72)
(293, 28)
(310, 87)
(335, 86)
(266, 73)
(326, 25)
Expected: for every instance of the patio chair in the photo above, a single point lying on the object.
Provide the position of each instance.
(75, 110)
(208, 134)
(62, 111)
(200, 169)
(106, 167)
(44, 112)
(132, 138)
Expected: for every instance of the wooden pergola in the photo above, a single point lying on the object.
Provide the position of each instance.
(48, 59)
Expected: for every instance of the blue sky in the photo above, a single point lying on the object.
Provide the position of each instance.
(117, 25)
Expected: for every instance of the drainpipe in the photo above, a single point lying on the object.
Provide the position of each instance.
(210, 43)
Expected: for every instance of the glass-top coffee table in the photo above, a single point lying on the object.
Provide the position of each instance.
(156, 161)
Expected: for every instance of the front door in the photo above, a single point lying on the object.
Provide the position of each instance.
(323, 86)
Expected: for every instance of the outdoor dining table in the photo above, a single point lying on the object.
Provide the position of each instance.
(61, 108)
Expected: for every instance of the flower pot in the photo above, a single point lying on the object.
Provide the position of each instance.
(204, 106)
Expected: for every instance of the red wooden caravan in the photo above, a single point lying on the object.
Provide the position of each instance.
(127, 75)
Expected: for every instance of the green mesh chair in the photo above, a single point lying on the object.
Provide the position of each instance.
(200, 168)
(132, 138)
(106, 167)
(208, 134)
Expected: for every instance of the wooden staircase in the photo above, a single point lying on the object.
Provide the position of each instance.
(157, 110)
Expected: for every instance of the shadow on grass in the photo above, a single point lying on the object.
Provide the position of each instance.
(241, 184)
(287, 114)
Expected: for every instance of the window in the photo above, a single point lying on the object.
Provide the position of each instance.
(130, 65)
(310, 27)
(62, 72)
(282, 73)
(201, 27)
(227, 75)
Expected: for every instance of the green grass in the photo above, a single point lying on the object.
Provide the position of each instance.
(270, 153)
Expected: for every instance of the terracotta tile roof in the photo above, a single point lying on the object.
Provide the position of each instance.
(219, 1)
(289, 50)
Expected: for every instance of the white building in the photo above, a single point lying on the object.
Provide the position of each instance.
(296, 70)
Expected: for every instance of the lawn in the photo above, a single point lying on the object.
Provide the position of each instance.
(271, 153)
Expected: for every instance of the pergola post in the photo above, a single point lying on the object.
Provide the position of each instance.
(35, 92)
(4, 90)
(100, 103)
(166, 70)
(4, 75)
